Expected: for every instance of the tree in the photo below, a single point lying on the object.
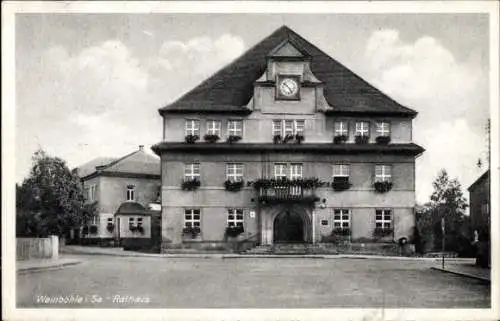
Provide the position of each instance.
(50, 201)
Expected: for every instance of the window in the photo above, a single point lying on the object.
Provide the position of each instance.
(235, 217)
(341, 218)
(139, 221)
(234, 172)
(383, 219)
(288, 127)
(192, 127)
(192, 217)
(340, 170)
(213, 127)
(280, 170)
(192, 171)
(295, 171)
(362, 128)
(341, 128)
(324, 222)
(383, 173)
(131, 221)
(235, 128)
(130, 193)
(110, 220)
(91, 192)
(94, 220)
(383, 129)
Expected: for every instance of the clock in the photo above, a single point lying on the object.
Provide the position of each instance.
(288, 87)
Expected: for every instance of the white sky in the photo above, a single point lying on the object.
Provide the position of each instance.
(90, 85)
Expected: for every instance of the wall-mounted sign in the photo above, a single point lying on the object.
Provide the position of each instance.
(252, 214)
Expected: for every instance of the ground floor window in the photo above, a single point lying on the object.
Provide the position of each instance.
(139, 221)
(235, 217)
(383, 219)
(192, 217)
(131, 222)
(341, 218)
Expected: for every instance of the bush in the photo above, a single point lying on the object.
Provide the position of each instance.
(110, 227)
(190, 184)
(191, 139)
(93, 229)
(382, 187)
(233, 138)
(233, 186)
(277, 139)
(361, 139)
(340, 139)
(140, 229)
(211, 138)
(299, 138)
(234, 231)
(341, 231)
(341, 184)
(85, 230)
(383, 140)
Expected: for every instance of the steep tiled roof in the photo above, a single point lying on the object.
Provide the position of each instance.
(130, 207)
(136, 163)
(231, 88)
(479, 180)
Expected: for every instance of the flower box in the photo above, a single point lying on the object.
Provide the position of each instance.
(360, 140)
(93, 229)
(277, 139)
(110, 227)
(132, 228)
(191, 139)
(233, 231)
(285, 182)
(382, 187)
(233, 138)
(299, 138)
(191, 231)
(190, 184)
(342, 231)
(340, 139)
(211, 138)
(233, 186)
(340, 184)
(382, 232)
(383, 140)
(288, 138)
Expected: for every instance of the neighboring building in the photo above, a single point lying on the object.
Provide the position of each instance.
(479, 200)
(250, 147)
(126, 191)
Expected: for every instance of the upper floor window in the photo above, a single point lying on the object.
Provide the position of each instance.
(383, 129)
(341, 218)
(341, 128)
(280, 170)
(383, 173)
(139, 221)
(234, 172)
(235, 127)
(362, 128)
(91, 191)
(340, 170)
(131, 221)
(288, 127)
(192, 127)
(130, 193)
(213, 127)
(383, 219)
(192, 217)
(234, 217)
(295, 171)
(192, 171)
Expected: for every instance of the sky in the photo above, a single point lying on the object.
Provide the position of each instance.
(90, 85)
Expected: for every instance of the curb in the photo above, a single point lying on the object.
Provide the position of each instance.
(462, 274)
(46, 268)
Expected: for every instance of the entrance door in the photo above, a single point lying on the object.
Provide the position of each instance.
(288, 228)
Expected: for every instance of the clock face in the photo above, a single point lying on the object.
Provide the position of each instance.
(288, 87)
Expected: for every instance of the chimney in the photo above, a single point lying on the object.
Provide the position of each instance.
(141, 147)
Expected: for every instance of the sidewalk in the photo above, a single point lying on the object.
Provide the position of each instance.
(467, 270)
(35, 265)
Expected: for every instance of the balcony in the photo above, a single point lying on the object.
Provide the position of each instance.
(285, 190)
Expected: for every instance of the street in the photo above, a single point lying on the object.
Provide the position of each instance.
(148, 282)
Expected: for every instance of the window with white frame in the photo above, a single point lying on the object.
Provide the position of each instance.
(277, 127)
(341, 218)
(280, 170)
(383, 129)
(362, 128)
(299, 127)
(295, 171)
(288, 127)
(235, 127)
(340, 170)
(383, 173)
(383, 218)
(130, 193)
(341, 128)
(235, 217)
(213, 127)
(131, 221)
(91, 192)
(192, 171)
(192, 127)
(234, 172)
(192, 217)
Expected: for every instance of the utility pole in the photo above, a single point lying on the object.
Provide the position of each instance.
(442, 242)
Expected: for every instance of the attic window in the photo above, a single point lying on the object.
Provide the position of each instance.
(130, 193)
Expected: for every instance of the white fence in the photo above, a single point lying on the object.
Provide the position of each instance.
(37, 248)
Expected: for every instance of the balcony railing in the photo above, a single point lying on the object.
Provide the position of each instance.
(285, 190)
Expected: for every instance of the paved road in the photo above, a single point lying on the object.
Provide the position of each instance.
(143, 282)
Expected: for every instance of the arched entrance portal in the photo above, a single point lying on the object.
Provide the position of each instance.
(288, 227)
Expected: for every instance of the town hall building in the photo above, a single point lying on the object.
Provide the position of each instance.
(286, 145)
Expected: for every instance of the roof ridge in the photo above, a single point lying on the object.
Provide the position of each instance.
(118, 160)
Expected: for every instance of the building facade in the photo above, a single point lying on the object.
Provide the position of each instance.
(285, 144)
(479, 198)
(126, 193)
